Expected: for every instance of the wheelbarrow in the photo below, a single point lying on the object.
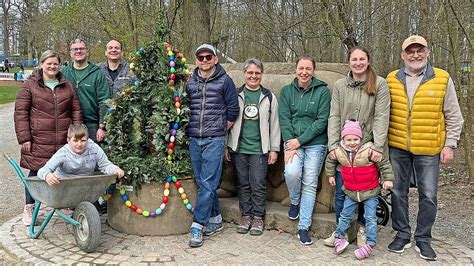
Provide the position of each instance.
(72, 192)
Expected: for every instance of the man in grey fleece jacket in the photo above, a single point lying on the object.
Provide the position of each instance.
(78, 157)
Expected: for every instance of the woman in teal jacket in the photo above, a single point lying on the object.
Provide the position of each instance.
(304, 111)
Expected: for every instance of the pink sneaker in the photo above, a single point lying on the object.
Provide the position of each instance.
(340, 245)
(28, 214)
(363, 252)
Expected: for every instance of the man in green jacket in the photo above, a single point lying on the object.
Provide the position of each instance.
(91, 86)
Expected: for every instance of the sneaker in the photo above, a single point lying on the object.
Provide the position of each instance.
(363, 252)
(28, 214)
(399, 245)
(196, 237)
(303, 236)
(425, 250)
(330, 240)
(361, 237)
(340, 245)
(257, 226)
(244, 225)
(294, 212)
(212, 228)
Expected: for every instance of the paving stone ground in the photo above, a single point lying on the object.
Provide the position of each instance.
(57, 245)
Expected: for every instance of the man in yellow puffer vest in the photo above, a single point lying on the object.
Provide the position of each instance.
(425, 125)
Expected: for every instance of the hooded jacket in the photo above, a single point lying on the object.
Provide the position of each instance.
(304, 113)
(124, 77)
(213, 102)
(42, 116)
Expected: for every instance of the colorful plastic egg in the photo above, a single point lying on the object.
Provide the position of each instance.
(169, 179)
(124, 197)
(133, 207)
(172, 76)
(173, 132)
(172, 70)
(142, 50)
(183, 60)
(170, 53)
(146, 213)
(183, 196)
(139, 211)
(158, 211)
(177, 104)
(176, 126)
(162, 206)
(153, 214)
(178, 184)
(172, 139)
(165, 199)
(171, 58)
(177, 94)
(170, 151)
(166, 192)
(171, 145)
(107, 197)
(137, 53)
(189, 206)
(181, 190)
(185, 201)
(174, 178)
(178, 111)
(172, 63)
(169, 158)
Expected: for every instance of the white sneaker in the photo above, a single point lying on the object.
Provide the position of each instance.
(28, 214)
(361, 237)
(330, 241)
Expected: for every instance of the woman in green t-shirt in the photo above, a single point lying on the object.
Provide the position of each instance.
(252, 145)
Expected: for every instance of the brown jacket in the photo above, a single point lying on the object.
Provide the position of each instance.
(42, 116)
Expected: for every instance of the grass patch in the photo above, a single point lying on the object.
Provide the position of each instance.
(8, 94)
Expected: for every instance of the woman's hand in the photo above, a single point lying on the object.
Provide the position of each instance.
(26, 146)
(272, 157)
(292, 144)
(332, 181)
(332, 154)
(289, 155)
(375, 156)
(387, 185)
(227, 155)
(51, 179)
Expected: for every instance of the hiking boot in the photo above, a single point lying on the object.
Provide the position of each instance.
(303, 236)
(244, 225)
(294, 212)
(257, 226)
(425, 250)
(212, 228)
(399, 245)
(196, 237)
(363, 252)
(28, 214)
(340, 245)
(361, 237)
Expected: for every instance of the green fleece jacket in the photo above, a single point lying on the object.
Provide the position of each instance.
(304, 113)
(92, 90)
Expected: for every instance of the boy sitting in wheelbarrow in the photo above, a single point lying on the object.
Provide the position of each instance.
(79, 157)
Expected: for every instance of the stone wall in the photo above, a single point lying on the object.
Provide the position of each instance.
(276, 75)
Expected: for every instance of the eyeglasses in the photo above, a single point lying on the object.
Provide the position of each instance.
(208, 57)
(419, 51)
(251, 73)
(80, 49)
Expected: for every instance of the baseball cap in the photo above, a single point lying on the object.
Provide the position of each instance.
(206, 47)
(414, 39)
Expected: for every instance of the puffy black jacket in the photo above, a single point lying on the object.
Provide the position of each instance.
(213, 102)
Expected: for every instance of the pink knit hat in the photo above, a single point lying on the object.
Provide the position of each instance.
(351, 128)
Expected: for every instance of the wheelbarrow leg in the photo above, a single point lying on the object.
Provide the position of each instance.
(34, 234)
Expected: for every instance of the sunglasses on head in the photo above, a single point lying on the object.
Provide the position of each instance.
(208, 57)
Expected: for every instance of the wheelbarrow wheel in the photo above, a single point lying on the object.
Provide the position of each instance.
(87, 234)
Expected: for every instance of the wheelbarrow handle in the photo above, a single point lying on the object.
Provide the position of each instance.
(18, 171)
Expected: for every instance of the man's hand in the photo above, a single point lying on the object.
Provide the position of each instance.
(227, 155)
(229, 124)
(447, 155)
(375, 156)
(387, 185)
(26, 146)
(100, 135)
(332, 181)
(51, 179)
(272, 157)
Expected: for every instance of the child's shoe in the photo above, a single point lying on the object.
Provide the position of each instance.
(28, 214)
(363, 252)
(361, 237)
(340, 245)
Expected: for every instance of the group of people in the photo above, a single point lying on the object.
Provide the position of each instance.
(377, 134)
(366, 131)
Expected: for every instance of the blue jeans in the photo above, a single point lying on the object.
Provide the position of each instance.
(301, 177)
(340, 196)
(206, 159)
(425, 169)
(370, 215)
(28, 198)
